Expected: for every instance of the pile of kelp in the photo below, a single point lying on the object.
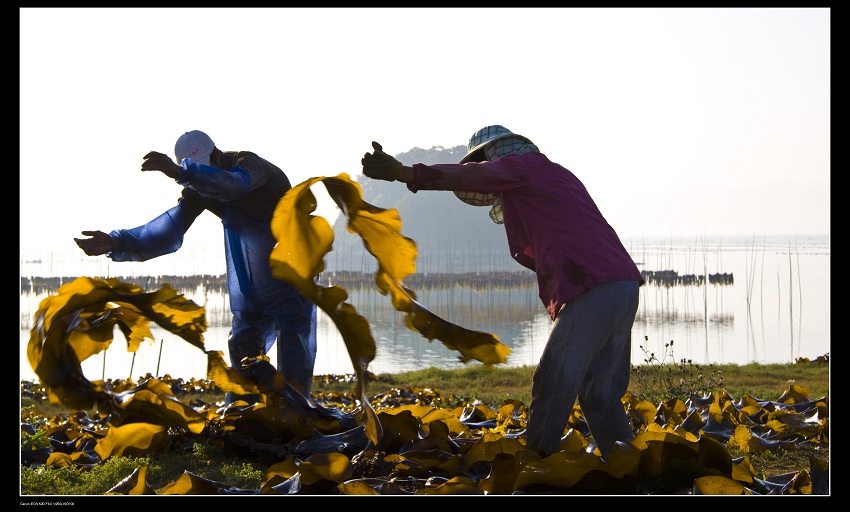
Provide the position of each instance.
(433, 444)
(404, 442)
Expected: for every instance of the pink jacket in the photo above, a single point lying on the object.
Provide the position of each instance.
(553, 225)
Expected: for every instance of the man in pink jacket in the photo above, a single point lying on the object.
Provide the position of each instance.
(586, 278)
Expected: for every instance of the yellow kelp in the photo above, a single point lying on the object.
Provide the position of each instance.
(304, 240)
(78, 321)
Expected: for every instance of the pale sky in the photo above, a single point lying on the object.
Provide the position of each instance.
(680, 122)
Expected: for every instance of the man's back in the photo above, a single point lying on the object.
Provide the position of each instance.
(268, 184)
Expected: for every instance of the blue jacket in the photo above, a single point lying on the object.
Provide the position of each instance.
(244, 198)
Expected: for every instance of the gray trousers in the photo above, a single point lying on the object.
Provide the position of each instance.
(587, 357)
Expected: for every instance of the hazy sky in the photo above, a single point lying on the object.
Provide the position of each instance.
(681, 122)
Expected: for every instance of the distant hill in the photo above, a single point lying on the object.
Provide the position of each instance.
(451, 236)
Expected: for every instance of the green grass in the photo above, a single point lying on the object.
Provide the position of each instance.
(69, 480)
(766, 382)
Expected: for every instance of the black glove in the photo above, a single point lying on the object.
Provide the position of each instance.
(379, 165)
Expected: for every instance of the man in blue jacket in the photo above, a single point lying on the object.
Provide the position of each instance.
(243, 190)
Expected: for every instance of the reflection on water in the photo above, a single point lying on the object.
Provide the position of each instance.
(775, 309)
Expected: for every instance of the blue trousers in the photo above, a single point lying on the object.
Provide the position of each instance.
(266, 311)
(291, 323)
(587, 357)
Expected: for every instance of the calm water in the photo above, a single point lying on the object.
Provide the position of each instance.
(778, 309)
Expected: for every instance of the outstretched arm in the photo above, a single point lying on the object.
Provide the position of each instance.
(162, 235)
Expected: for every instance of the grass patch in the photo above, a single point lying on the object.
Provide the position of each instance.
(766, 382)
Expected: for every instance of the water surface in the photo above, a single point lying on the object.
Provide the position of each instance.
(777, 310)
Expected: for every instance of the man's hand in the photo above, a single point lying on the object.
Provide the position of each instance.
(155, 161)
(381, 166)
(99, 243)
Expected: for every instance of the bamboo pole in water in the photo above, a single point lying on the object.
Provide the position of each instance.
(761, 293)
(799, 298)
(159, 359)
(750, 261)
(791, 299)
(705, 291)
(778, 300)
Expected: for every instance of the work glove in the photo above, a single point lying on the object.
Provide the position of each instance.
(99, 243)
(155, 161)
(381, 166)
